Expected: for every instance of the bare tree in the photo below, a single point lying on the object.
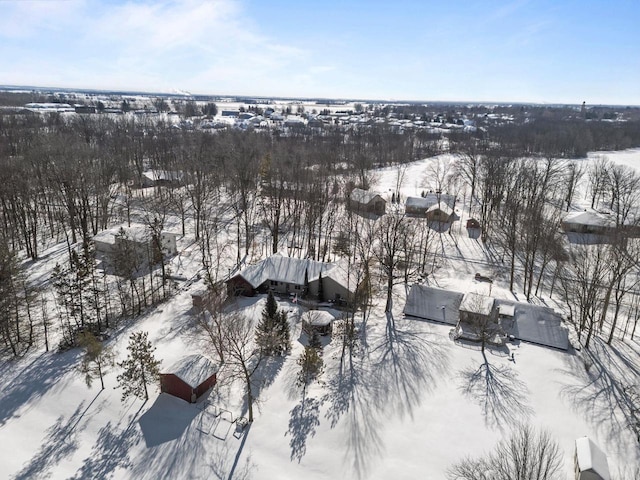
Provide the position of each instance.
(526, 455)
(467, 166)
(581, 281)
(573, 175)
(483, 325)
(598, 176)
(212, 320)
(624, 191)
(241, 354)
(13, 300)
(622, 258)
(492, 181)
(392, 230)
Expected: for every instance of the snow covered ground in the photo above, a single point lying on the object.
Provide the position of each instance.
(630, 157)
(407, 406)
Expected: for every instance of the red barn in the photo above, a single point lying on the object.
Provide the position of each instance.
(189, 378)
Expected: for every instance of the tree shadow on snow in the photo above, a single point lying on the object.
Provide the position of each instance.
(499, 392)
(221, 466)
(24, 382)
(401, 367)
(303, 421)
(603, 385)
(60, 443)
(262, 379)
(111, 450)
(409, 362)
(351, 393)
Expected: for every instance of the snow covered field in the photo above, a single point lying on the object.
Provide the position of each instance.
(408, 405)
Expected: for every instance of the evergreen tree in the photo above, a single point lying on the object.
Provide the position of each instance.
(73, 285)
(140, 368)
(310, 362)
(283, 333)
(272, 332)
(314, 340)
(320, 289)
(96, 360)
(265, 338)
(306, 282)
(271, 308)
(12, 299)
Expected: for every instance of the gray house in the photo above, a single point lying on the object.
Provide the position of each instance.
(365, 201)
(287, 275)
(523, 321)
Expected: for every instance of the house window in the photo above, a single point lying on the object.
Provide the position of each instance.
(274, 283)
(297, 287)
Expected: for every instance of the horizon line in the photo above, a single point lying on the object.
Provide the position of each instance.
(278, 97)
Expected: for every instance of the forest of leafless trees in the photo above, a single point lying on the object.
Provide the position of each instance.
(65, 179)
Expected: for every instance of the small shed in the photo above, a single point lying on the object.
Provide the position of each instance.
(473, 223)
(199, 298)
(590, 462)
(189, 378)
(318, 320)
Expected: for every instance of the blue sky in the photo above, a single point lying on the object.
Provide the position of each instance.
(521, 51)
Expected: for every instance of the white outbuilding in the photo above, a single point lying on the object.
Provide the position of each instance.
(590, 462)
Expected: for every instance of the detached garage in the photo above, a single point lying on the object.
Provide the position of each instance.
(189, 378)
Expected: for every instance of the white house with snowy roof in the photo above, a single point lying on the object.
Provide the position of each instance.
(289, 275)
(136, 237)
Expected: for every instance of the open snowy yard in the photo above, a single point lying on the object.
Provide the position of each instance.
(410, 404)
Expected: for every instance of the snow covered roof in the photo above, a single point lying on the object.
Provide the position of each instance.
(193, 369)
(363, 196)
(162, 175)
(506, 310)
(476, 303)
(536, 324)
(590, 458)
(433, 304)
(594, 219)
(292, 270)
(318, 318)
(418, 202)
(443, 207)
(531, 323)
(429, 200)
(136, 232)
(106, 236)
